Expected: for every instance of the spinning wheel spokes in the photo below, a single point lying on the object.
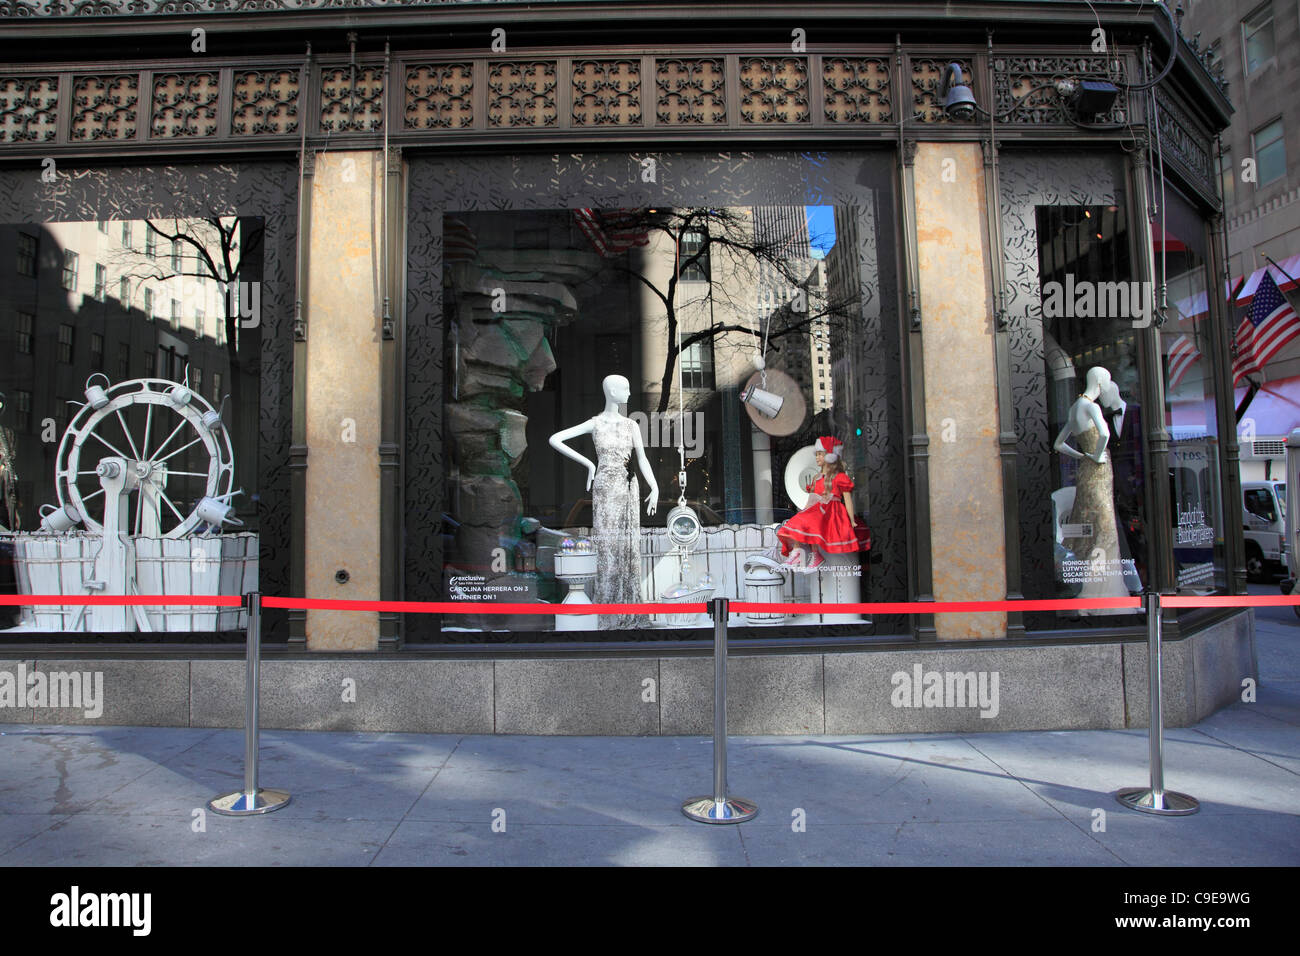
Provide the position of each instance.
(163, 495)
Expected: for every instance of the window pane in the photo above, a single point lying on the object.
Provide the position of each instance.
(1270, 153)
(1091, 308)
(114, 338)
(1257, 34)
(26, 255)
(1197, 513)
(70, 270)
(605, 350)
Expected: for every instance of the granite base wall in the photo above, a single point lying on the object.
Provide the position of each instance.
(1061, 687)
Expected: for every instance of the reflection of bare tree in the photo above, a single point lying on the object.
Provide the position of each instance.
(729, 247)
(218, 249)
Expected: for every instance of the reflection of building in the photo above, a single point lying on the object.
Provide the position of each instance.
(108, 297)
(1252, 46)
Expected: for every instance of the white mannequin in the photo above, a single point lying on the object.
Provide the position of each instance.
(1094, 502)
(1087, 411)
(617, 391)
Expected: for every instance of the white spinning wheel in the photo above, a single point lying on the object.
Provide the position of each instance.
(108, 435)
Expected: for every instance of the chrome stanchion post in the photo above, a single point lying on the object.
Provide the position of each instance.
(251, 799)
(1155, 798)
(719, 808)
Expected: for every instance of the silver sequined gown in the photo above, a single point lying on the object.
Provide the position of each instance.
(1094, 503)
(616, 527)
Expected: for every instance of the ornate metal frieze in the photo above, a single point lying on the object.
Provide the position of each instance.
(690, 91)
(773, 90)
(927, 76)
(1187, 145)
(522, 93)
(607, 92)
(1032, 77)
(439, 96)
(351, 100)
(265, 101)
(856, 89)
(28, 107)
(184, 104)
(486, 96)
(105, 107)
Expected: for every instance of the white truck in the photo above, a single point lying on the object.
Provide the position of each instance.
(1264, 525)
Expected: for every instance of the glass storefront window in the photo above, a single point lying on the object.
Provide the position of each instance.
(595, 357)
(1092, 312)
(68, 430)
(1196, 504)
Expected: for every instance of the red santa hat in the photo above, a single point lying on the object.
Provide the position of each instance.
(832, 446)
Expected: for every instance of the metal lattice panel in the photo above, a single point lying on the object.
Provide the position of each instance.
(28, 107)
(857, 90)
(264, 101)
(522, 93)
(348, 106)
(607, 92)
(690, 91)
(185, 104)
(105, 107)
(774, 90)
(439, 96)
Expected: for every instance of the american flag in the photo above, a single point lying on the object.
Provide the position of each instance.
(613, 231)
(1270, 324)
(1183, 354)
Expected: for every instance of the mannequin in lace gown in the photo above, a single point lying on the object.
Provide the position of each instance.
(1094, 487)
(616, 522)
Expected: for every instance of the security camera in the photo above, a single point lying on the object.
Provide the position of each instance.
(958, 100)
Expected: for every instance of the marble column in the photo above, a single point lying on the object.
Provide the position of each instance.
(343, 398)
(957, 333)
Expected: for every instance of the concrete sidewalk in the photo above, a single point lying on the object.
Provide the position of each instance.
(129, 795)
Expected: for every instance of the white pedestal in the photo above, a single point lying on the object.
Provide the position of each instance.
(837, 581)
(575, 570)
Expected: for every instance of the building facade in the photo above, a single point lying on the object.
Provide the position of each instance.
(1253, 49)
(931, 232)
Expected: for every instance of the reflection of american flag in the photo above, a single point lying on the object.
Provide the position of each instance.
(1271, 324)
(613, 231)
(1183, 354)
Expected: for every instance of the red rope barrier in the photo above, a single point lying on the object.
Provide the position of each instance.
(698, 607)
(485, 607)
(146, 600)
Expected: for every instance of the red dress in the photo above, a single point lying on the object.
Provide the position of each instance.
(825, 525)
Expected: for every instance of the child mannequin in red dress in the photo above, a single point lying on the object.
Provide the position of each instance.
(826, 522)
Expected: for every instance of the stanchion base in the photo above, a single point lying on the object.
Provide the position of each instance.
(730, 810)
(238, 804)
(1169, 803)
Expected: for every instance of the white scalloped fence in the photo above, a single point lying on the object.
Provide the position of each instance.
(63, 563)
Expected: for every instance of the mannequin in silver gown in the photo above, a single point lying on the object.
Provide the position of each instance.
(1094, 488)
(616, 522)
